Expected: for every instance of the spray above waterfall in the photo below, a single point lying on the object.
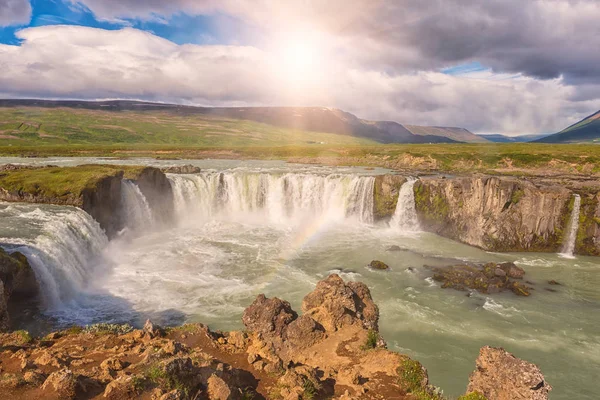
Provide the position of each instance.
(405, 217)
(568, 249)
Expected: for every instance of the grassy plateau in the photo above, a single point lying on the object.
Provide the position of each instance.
(43, 132)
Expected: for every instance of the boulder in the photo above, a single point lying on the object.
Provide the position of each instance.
(303, 332)
(501, 376)
(218, 389)
(334, 304)
(512, 271)
(489, 278)
(269, 317)
(376, 264)
(63, 383)
(152, 330)
(121, 388)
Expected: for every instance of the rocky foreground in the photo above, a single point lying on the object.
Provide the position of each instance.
(333, 350)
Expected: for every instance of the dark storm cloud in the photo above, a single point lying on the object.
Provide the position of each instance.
(14, 12)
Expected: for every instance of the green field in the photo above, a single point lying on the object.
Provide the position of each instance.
(26, 126)
(41, 132)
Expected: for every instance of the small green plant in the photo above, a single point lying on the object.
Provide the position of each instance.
(23, 337)
(108, 329)
(74, 330)
(372, 339)
(473, 396)
(310, 390)
(412, 379)
(247, 394)
(160, 377)
(138, 382)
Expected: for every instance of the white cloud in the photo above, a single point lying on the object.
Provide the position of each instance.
(14, 12)
(81, 62)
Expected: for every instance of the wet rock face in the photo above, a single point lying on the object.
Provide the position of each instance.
(385, 195)
(103, 202)
(335, 304)
(156, 187)
(17, 281)
(489, 278)
(494, 213)
(502, 376)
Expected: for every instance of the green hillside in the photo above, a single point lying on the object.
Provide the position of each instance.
(23, 126)
(585, 131)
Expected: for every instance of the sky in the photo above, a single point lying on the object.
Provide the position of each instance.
(491, 66)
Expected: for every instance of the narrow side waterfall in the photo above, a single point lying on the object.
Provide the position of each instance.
(405, 216)
(568, 249)
(60, 244)
(137, 211)
(281, 198)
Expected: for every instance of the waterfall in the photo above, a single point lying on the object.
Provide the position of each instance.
(137, 212)
(279, 197)
(60, 243)
(405, 216)
(572, 228)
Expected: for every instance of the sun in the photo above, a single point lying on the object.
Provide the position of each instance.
(300, 58)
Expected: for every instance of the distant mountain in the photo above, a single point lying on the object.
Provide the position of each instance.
(585, 131)
(457, 134)
(497, 138)
(315, 119)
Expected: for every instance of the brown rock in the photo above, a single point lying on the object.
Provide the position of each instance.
(376, 264)
(334, 304)
(218, 389)
(152, 330)
(11, 381)
(47, 359)
(502, 376)
(268, 317)
(303, 332)
(512, 271)
(121, 388)
(174, 395)
(237, 339)
(34, 378)
(64, 383)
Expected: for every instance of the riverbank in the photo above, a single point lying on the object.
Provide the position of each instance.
(524, 159)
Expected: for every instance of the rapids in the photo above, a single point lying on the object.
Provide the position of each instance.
(245, 228)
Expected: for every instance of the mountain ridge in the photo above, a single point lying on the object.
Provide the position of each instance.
(585, 131)
(315, 119)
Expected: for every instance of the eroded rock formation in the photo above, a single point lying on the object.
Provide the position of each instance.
(494, 213)
(502, 376)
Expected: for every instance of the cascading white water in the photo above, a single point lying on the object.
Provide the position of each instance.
(137, 211)
(281, 198)
(405, 216)
(568, 249)
(60, 244)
